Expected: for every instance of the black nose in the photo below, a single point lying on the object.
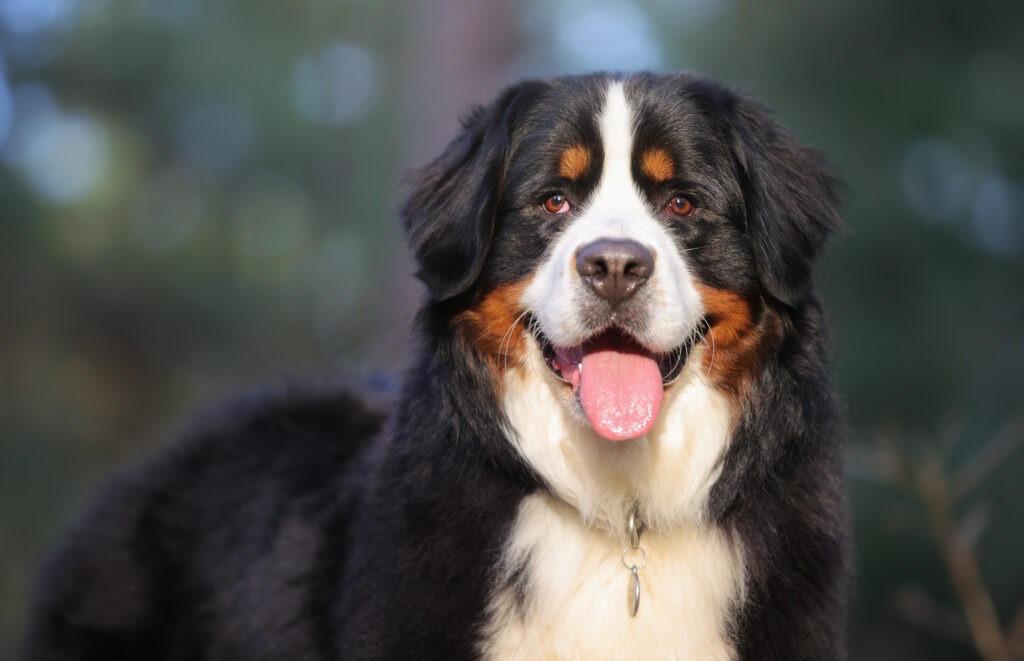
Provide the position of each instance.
(614, 268)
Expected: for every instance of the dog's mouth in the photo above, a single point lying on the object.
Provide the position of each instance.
(618, 382)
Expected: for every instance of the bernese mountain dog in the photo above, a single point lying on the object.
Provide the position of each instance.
(618, 438)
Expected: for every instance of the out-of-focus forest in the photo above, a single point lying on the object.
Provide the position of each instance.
(198, 195)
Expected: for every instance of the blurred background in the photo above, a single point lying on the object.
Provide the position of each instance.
(198, 195)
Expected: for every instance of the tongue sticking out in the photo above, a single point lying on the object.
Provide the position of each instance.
(620, 389)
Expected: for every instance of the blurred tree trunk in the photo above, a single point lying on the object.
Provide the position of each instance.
(457, 54)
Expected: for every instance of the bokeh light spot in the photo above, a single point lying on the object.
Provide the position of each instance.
(6, 106)
(64, 157)
(997, 216)
(598, 35)
(335, 85)
(30, 16)
(937, 181)
(215, 137)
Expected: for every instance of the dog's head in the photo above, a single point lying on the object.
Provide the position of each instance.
(611, 224)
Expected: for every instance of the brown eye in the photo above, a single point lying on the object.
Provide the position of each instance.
(681, 206)
(557, 203)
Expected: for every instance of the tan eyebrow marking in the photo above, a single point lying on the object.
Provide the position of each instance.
(657, 164)
(575, 162)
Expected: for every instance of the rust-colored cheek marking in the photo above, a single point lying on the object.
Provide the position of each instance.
(496, 327)
(738, 337)
(574, 163)
(657, 164)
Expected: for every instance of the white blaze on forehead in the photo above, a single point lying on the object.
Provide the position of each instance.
(617, 209)
(617, 194)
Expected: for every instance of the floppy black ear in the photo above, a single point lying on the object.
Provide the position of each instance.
(792, 201)
(450, 204)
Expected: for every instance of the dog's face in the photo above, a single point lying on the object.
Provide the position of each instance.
(611, 228)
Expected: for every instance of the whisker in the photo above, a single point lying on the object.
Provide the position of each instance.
(711, 334)
(506, 339)
(679, 352)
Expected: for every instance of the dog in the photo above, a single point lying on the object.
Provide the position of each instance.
(618, 438)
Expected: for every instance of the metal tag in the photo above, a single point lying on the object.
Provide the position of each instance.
(634, 591)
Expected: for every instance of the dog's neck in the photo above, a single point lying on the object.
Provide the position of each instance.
(667, 474)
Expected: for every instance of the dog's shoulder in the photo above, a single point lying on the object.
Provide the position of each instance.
(228, 518)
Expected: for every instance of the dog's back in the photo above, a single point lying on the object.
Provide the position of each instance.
(224, 544)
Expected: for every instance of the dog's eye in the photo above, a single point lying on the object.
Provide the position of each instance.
(680, 205)
(557, 203)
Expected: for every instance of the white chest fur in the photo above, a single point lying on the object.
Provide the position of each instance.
(574, 603)
(565, 547)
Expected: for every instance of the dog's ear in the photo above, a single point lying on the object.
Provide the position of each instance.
(450, 204)
(792, 201)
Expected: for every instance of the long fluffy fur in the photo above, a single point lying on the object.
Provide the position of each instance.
(308, 523)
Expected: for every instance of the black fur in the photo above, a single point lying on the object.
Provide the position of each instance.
(306, 523)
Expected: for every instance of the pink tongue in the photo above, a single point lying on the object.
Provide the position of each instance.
(621, 391)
